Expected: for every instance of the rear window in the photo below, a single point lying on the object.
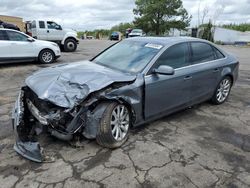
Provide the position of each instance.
(219, 55)
(41, 24)
(201, 52)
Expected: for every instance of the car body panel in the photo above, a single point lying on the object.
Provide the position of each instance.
(165, 92)
(67, 85)
(76, 93)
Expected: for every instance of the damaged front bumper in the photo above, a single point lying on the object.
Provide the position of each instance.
(31, 116)
(24, 146)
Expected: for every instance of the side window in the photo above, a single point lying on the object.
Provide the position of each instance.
(33, 24)
(3, 35)
(201, 52)
(41, 24)
(51, 25)
(219, 55)
(175, 56)
(14, 36)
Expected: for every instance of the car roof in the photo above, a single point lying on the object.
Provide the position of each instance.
(165, 41)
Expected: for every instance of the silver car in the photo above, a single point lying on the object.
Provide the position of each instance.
(133, 82)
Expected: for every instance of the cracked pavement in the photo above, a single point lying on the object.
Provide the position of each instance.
(204, 146)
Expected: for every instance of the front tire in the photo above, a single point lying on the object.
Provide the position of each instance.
(114, 126)
(222, 91)
(46, 56)
(70, 45)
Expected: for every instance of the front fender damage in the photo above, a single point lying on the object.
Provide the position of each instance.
(31, 116)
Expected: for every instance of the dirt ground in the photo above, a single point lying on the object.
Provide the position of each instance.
(205, 146)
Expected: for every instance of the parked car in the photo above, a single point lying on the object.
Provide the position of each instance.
(136, 33)
(51, 31)
(8, 26)
(131, 83)
(16, 46)
(114, 35)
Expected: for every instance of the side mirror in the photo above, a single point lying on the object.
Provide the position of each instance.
(30, 39)
(164, 69)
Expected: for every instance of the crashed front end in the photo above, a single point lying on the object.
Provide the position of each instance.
(31, 116)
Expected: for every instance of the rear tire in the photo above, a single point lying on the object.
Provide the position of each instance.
(222, 91)
(114, 126)
(46, 56)
(70, 45)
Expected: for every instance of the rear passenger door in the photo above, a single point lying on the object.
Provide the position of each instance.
(4, 46)
(205, 70)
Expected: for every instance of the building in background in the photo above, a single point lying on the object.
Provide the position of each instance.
(228, 36)
(14, 20)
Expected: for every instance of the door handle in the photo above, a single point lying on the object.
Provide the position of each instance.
(47, 31)
(216, 70)
(188, 77)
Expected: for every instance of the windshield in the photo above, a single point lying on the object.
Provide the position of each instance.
(128, 56)
(136, 31)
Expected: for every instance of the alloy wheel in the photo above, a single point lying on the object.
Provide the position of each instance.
(47, 57)
(223, 90)
(120, 122)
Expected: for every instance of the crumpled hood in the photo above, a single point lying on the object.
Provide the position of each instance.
(68, 84)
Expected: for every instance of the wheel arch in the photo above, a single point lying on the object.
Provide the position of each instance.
(66, 38)
(95, 112)
(228, 72)
(124, 102)
(230, 76)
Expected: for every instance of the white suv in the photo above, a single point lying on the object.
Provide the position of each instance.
(51, 31)
(16, 46)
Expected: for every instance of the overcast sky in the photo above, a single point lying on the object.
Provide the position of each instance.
(96, 14)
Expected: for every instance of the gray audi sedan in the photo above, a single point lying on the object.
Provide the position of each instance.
(132, 82)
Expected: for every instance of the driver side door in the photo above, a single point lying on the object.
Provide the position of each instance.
(55, 32)
(167, 93)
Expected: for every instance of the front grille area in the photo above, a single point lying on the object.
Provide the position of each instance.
(43, 106)
(55, 115)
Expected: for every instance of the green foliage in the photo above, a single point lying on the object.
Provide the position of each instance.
(122, 27)
(238, 27)
(207, 34)
(158, 16)
(94, 33)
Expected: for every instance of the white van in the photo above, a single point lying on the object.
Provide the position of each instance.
(51, 31)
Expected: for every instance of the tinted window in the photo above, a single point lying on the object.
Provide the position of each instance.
(201, 52)
(14, 36)
(219, 55)
(3, 35)
(175, 56)
(41, 24)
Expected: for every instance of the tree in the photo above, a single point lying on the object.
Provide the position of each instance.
(207, 33)
(158, 16)
(122, 27)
